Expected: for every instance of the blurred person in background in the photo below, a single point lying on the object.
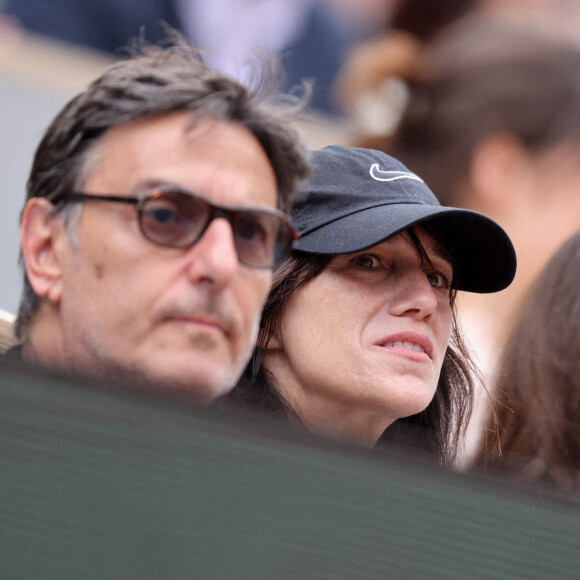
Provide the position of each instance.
(359, 330)
(304, 35)
(420, 22)
(425, 19)
(488, 113)
(560, 16)
(538, 386)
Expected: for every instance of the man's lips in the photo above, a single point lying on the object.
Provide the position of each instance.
(202, 321)
(412, 341)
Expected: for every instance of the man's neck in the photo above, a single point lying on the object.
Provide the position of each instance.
(43, 345)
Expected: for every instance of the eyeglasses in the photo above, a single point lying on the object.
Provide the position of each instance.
(178, 219)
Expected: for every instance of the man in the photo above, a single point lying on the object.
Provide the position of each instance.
(136, 266)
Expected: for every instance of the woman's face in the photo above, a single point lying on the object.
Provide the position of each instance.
(362, 344)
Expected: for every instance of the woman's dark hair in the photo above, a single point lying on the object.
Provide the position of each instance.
(446, 416)
(538, 385)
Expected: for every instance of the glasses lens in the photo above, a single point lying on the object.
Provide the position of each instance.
(176, 219)
(173, 218)
(261, 239)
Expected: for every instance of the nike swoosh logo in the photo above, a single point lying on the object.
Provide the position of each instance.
(381, 175)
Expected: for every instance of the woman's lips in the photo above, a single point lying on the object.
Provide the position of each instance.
(412, 341)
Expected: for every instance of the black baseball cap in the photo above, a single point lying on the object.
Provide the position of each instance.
(358, 198)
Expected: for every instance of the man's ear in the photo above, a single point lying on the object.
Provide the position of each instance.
(42, 240)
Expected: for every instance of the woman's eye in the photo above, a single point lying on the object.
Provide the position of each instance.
(438, 280)
(366, 261)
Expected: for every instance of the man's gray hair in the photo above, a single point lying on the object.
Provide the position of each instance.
(159, 80)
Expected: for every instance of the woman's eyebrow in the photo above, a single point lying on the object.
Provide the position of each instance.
(440, 251)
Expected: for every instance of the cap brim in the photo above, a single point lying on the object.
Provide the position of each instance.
(485, 259)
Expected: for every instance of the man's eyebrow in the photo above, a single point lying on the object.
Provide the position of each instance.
(149, 184)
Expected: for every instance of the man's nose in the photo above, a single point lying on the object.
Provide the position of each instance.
(213, 258)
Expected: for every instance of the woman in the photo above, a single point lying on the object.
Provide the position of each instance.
(538, 387)
(359, 328)
(488, 113)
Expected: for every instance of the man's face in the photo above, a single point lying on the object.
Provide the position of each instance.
(185, 318)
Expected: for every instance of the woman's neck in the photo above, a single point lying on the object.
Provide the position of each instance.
(336, 420)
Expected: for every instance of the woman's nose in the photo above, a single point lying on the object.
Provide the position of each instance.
(415, 295)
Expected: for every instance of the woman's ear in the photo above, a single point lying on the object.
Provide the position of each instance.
(500, 170)
(41, 239)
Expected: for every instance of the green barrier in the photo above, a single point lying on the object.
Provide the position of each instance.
(109, 484)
